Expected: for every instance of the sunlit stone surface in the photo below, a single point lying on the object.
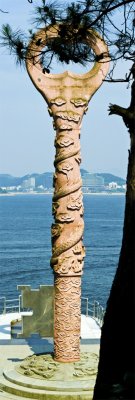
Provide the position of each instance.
(67, 96)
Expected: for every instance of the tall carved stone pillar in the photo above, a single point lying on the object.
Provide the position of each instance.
(67, 247)
(67, 95)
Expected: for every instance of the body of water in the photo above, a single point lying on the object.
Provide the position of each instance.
(25, 243)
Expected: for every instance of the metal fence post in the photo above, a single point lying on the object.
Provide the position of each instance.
(4, 308)
(87, 306)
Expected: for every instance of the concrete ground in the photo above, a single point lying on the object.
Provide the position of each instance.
(16, 350)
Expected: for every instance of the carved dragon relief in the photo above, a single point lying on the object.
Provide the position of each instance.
(64, 141)
(68, 116)
(72, 239)
(69, 265)
(64, 259)
(65, 168)
(75, 201)
(67, 248)
(44, 367)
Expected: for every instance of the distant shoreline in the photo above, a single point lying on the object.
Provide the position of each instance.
(47, 193)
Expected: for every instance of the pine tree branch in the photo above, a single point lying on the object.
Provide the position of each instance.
(4, 12)
(108, 10)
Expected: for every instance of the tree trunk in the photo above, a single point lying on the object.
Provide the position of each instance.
(116, 370)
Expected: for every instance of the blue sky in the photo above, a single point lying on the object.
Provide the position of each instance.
(27, 136)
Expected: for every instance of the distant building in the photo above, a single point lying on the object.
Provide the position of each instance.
(10, 188)
(92, 182)
(46, 180)
(18, 187)
(124, 187)
(113, 185)
(28, 183)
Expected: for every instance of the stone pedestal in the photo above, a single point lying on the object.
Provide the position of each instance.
(40, 377)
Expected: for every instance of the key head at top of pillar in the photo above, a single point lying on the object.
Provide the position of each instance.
(55, 87)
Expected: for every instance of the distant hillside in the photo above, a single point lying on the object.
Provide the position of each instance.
(84, 171)
(112, 178)
(46, 179)
(9, 180)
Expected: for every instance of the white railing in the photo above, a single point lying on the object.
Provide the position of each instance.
(94, 310)
(10, 305)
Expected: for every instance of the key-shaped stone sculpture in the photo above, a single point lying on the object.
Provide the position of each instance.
(67, 95)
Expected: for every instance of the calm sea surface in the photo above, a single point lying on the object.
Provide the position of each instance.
(25, 243)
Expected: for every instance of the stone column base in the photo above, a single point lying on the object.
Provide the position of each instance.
(40, 377)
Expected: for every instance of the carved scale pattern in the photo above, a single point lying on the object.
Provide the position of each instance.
(67, 247)
(67, 318)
